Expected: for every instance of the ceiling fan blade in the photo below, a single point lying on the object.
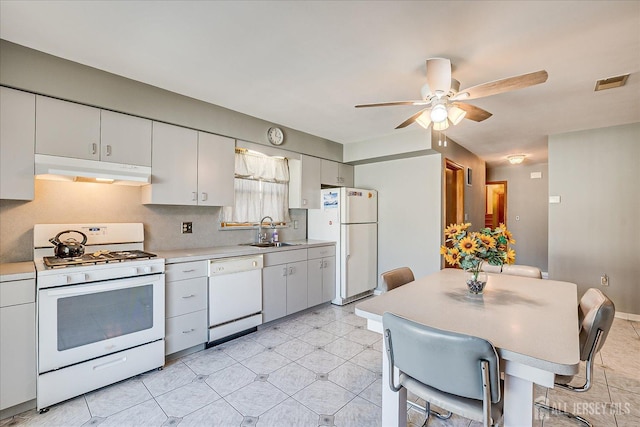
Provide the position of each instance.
(503, 85)
(410, 119)
(439, 76)
(474, 113)
(387, 104)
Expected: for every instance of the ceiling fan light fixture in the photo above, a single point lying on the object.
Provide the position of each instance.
(440, 126)
(516, 159)
(456, 114)
(424, 120)
(439, 113)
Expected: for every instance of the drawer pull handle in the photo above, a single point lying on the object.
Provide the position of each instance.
(189, 271)
(110, 364)
(189, 296)
(189, 331)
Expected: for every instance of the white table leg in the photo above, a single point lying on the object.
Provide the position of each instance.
(518, 402)
(394, 404)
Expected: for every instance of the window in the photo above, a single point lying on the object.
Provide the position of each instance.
(261, 189)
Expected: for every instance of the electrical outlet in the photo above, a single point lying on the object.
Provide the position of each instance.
(604, 280)
(187, 227)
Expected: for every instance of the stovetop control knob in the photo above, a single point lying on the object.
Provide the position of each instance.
(147, 269)
(134, 270)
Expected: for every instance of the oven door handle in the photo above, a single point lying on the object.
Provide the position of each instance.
(111, 285)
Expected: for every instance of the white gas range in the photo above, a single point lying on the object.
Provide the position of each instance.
(101, 314)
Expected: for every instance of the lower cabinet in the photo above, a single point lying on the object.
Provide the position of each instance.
(295, 280)
(185, 305)
(321, 283)
(17, 342)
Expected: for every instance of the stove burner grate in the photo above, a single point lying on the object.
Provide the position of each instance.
(100, 257)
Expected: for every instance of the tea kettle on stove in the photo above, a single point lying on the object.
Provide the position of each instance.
(70, 247)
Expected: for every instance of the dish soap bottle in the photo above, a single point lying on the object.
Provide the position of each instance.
(274, 237)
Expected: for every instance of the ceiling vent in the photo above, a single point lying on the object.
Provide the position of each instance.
(611, 82)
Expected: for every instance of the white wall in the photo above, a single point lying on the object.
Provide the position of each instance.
(594, 230)
(409, 211)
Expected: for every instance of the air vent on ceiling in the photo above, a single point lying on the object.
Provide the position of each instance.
(611, 82)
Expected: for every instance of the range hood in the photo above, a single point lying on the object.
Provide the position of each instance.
(70, 169)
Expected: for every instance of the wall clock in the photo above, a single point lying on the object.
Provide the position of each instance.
(275, 136)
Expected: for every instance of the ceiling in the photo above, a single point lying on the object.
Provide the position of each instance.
(305, 64)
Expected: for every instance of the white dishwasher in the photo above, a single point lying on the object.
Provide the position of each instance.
(235, 296)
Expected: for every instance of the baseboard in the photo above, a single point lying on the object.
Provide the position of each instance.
(628, 316)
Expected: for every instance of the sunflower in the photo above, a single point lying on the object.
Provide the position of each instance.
(468, 245)
(465, 226)
(452, 231)
(507, 234)
(443, 250)
(453, 257)
(487, 241)
(511, 256)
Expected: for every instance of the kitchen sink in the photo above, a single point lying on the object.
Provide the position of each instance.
(270, 244)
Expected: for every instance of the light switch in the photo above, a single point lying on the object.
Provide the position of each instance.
(536, 175)
(554, 199)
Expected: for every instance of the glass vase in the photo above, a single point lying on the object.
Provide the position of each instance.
(476, 281)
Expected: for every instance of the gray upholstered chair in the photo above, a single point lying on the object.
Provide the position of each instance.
(457, 372)
(595, 316)
(393, 278)
(522, 270)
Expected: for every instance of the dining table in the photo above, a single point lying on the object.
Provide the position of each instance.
(532, 323)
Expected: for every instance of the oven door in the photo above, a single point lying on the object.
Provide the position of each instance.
(81, 322)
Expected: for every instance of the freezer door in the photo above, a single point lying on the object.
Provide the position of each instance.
(359, 259)
(358, 205)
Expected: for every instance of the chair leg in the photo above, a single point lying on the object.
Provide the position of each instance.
(556, 411)
(432, 412)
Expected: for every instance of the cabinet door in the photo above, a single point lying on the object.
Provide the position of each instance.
(346, 175)
(296, 286)
(174, 170)
(310, 182)
(17, 139)
(17, 354)
(67, 129)
(328, 278)
(314, 282)
(125, 139)
(329, 172)
(274, 292)
(216, 169)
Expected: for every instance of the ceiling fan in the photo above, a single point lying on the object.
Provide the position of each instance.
(445, 103)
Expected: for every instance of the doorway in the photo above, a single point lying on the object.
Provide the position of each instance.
(454, 193)
(495, 204)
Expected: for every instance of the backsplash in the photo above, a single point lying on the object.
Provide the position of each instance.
(71, 202)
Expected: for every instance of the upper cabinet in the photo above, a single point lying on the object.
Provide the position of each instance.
(190, 168)
(125, 139)
(17, 139)
(336, 174)
(68, 129)
(304, 183)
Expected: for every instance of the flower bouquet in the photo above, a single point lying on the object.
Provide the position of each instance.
(470, 249)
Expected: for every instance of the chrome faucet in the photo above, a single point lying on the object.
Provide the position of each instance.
(263, 237)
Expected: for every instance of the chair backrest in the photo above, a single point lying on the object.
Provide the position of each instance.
(393, 278)
(522, 270)
(488, 268)
(448, 361)
(595, 312)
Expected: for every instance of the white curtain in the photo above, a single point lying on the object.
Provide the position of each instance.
(261, 189)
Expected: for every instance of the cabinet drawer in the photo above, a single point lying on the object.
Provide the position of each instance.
(321, 252)
(17, 292)
(185, 296)
(185, 331)
(284, 257)
(186, 270)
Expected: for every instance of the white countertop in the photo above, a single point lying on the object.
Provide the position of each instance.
(17, 271)
(532, 321)
(184, 255)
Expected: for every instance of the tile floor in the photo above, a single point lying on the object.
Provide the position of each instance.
(319, 368)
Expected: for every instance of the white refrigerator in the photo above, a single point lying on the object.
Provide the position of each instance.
(349, 217)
